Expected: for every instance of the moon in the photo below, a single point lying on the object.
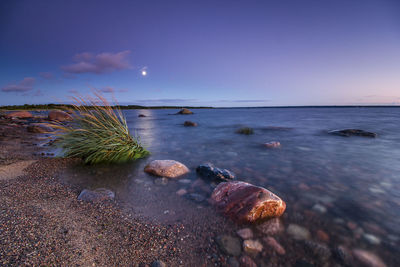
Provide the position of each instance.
(144, 72)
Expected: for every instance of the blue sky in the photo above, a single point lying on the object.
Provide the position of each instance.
(218, 53)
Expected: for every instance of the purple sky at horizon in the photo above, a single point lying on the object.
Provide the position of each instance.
(201, 53)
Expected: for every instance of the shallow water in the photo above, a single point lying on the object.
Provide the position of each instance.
(345, 187)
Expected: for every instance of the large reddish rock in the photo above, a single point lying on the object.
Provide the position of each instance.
(244, 202)
(59, 115)
(20, 115)
(166, 168)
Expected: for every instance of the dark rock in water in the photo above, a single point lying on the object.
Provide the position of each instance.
(189, 124)
(185, 111)
(229, 244)
(245, 130)
(196, 197)
(141, 116)
(244, 202)
(39, 128)
(59, 115)
(97, 195)
(209, 171)
(158, 263)
(353, 132)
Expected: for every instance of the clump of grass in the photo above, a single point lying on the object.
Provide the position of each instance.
(98, 134)
(245, 130)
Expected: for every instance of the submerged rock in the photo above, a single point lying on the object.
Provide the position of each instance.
(97, 195)
(298, 232)
(353, 132)
(196, 197)
(246, 261)
(244, 202)
(158, 263)
(245, 130)
(166, 168)
(368, 258)
(271, 242)
(245, 233)
(184, 111)
(19, 115)
(189, 124)
(141, 116)
(273, 144)
(209, 171)
(252, 247)
(271, 227)
(39, 128)
(229, 244)
(59, 115)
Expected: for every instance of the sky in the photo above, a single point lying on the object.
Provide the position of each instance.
(201, 53)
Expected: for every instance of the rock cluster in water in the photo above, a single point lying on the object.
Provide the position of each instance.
(208, 171)
(184, 111)
(244, 202)
(166, 168)
(97, 195)
(189, 124)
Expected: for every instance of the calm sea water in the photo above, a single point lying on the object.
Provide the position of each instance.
(348, 188)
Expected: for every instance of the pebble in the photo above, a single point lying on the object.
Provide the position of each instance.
(270, 241)
(319, 208)
(271, 227)
(373, 240)
(323, 236)
(158, 263)
(229, 245)
(181, 192)
(368, 258)
(246, 261)
(252, 246)
(245, 233)
(298, 232)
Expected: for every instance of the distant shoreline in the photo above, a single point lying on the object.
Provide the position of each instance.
(124, 107)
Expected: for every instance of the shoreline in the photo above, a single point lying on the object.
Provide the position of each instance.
(42, 221)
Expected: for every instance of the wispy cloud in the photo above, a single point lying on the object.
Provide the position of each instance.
(25, 85)
(98, 64)
(107, 89)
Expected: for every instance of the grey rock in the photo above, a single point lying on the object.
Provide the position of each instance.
(229, 245)
(298, 232)
(210, 172)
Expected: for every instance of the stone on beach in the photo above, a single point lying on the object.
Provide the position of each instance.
(245, 233)
(19, 115)
(97, 195)
(185, 111)
(244, 202)
(368, 258)
(273, 144)
(252, 246)
(209, 171)
(271, 242)
(353, 132)
(59, 115)
(39, 128)
(271, 227)
(166, 168)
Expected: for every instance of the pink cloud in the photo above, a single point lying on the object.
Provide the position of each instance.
(100, 63)
(107, 90)
(23, 86)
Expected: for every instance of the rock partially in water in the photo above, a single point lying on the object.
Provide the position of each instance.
(39, 128)
(229, 245)
(245, 233)
(210, 172)
(184, 111)
(368, 258)
(252, 247)
(166, 168)
(298, 232)
(19, 115)
(245, 130)
(271, 227)
(273, 144)
(141, 116)
(246, 261)
(271, 242)
(244, 202)
(189, 124)
(353, 132)
(97, 195)
(59, 115)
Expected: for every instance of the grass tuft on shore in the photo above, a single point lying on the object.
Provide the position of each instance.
(98, 133)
